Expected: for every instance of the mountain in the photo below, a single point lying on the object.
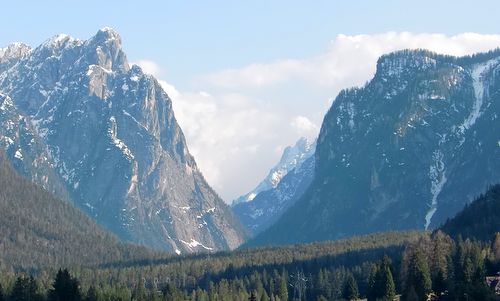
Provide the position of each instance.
(28, 154)
(109, 134)
(38, 230)
(406, 151)
(288, 181)
(478, 220)
(292, 157)
(11, 54)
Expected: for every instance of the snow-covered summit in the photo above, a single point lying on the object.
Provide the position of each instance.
(293, 157)
(15, 50)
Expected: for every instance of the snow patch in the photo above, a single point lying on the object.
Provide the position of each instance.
(437, 175)
(251, 196)
(193, 244)
(257, 213)
(18, 155)
(6, 104)
(112, 133)
(479, 88)
(89, 206)
(134, 119)
(8, 141)
(94, 68)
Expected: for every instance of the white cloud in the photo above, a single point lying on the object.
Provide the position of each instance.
(349, 59)
(303, 126)
(256, 75)
(225, 133)
(149, 67)
(237, 120)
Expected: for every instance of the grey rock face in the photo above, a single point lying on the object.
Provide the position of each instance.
(24, 149)
(406, 151)
(111, 136)
(12, 54)
(268, 206)
(284, 184)
(292, 157)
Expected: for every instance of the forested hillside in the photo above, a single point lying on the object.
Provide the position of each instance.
(411, 266)
(383, 266)
(39, 231)
(267, 272)
(479, 220)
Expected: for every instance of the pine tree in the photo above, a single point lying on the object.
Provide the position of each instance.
(33, 290)
(381, 282)
(171, 293)
(372, 294)
(18, 292)
(386, 281)
(440, 261)
(25, 289)
(411, 295)
(495, 248)
(252, 297)
(439, 284)
(283, 289)
(92, 294)
(65, 288)
(419, 278)
(139, 293)
(350, 291)
(2, 298)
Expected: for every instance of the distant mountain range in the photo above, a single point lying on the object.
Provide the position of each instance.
(292, 157)
(80, 121)
(406, 151)
(283, 185)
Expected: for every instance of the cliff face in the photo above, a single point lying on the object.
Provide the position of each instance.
(110, 135)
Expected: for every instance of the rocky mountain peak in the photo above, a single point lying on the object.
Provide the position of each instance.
(12, 54)
(397, 63)
(54, 47)
(293, 154)
(292, 157)
(109, 54)
(109, 133)
(14, 51)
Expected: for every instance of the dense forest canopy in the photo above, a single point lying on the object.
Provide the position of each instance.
(38, 230)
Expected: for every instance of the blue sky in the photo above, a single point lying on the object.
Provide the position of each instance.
(248, 78)
(192, 37)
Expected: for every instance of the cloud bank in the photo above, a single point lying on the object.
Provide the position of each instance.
(238, 120)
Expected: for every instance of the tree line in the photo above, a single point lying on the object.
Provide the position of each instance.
(432, 266)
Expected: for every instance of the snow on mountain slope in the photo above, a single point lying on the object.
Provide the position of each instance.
(282, 187)
(293, 156)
